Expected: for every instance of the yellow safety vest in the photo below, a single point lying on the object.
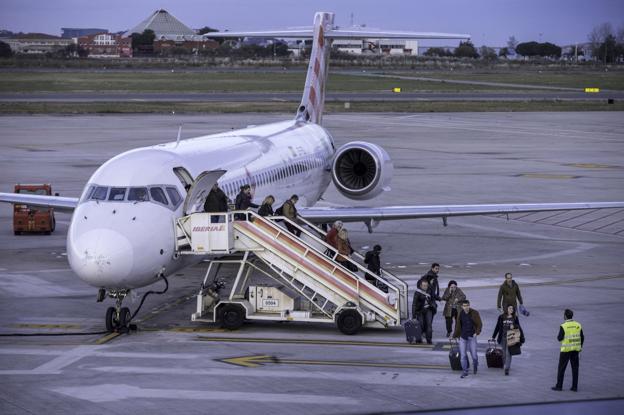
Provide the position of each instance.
(571, 336)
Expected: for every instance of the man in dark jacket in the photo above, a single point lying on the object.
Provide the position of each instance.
(216, 201)
(467, 328)
(243, 201)
(289, 210)
(432, 278)
(373, 263)
(423, 309)
(508, 294)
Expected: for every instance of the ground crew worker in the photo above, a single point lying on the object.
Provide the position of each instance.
(571, 338)
(508, 294)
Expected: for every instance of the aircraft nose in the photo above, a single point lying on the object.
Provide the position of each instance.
(101, 257)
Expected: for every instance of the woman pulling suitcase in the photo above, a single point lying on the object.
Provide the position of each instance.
(507, 326)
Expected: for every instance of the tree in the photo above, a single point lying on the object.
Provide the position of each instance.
(75, 50)
(437, 52)
(143, 42)
(608, 50)
(205, 30)
(512, 43)
(487, 53)
(549, 49)
(528, 49)
(466, 50)
(503, 52)
(5, 50)
(598, 35)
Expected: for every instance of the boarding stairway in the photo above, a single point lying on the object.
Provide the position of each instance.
(305, 264)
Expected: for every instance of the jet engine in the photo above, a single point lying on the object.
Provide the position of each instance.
(361, 170)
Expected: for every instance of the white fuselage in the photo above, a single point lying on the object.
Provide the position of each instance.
(120, 239)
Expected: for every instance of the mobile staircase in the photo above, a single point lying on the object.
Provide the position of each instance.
(311, 284)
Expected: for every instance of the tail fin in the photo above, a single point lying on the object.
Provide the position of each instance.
(313, 100)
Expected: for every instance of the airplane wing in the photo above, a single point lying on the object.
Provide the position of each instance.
(372, 215)
(64, 204)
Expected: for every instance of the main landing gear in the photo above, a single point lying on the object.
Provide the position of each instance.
(118, 317)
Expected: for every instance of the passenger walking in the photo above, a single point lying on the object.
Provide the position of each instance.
(432, 278)
(345, 250)
(290, 212)
(373, 262)
(572, 339)
(243, 201)
(266, 209)
(508, 294)
(332, 235)
(434, 288)
(453, 297)
(216, 201)
(467, 328)
(507, 321)
(423, 308)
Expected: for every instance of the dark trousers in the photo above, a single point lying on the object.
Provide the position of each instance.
(564, 357)
(293, 229)
(426, 322)
(449, 324)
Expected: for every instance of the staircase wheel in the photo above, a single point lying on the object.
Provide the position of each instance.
(232, 316)
(349, 321)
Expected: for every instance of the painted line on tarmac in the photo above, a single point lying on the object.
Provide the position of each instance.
(166, 306)
(107, 338)
(115, 392)
(261, 360)
(556, 282)
(315, 342)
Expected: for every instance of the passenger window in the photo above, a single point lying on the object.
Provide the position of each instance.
(158, 195)
(117, 193)
(174, 196)
(138, 194)
(100, 193)
(89, 192)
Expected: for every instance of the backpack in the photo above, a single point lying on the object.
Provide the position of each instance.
(279, 212)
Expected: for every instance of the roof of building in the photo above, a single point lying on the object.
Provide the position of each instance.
(163, 24)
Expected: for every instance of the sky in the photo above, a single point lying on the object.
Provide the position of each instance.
(489, 22)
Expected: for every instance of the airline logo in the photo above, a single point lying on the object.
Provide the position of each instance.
(211, 228)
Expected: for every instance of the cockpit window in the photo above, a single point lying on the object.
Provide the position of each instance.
(174, 196)
(138, 194)
(117, 194)
(99, 193)
(158, 195)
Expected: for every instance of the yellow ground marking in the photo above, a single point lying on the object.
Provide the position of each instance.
(46, 326)
(107, 338)
(259, 360)
(591, 166)
(548, 176)
(592, 90)
(312, 342)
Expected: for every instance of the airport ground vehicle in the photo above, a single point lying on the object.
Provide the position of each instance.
(33, 218)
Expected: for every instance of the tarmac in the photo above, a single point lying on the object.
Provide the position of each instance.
(568, 260)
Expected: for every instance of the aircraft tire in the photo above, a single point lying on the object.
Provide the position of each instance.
(124, 317)
(111, 324)
(232, 316)
(349, 321)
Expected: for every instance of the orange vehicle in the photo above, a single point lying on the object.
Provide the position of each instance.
(33, 218)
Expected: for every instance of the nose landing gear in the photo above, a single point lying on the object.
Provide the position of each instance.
(118, 317)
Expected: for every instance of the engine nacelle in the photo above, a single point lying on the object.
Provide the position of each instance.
(361, 170)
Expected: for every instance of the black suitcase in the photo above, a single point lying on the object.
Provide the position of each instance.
(413, 331)
(454, 356)
(494, 355)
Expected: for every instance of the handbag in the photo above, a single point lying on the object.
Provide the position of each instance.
(523, 310)
(515, 349)
(513, 337)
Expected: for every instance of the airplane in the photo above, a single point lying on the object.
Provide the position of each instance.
(120, 237)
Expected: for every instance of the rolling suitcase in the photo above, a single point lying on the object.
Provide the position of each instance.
(454, 356)
(413, 331)
(494, 355)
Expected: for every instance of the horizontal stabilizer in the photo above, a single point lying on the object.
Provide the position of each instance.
(340, 34)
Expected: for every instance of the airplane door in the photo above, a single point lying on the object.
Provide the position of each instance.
(199, 190)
